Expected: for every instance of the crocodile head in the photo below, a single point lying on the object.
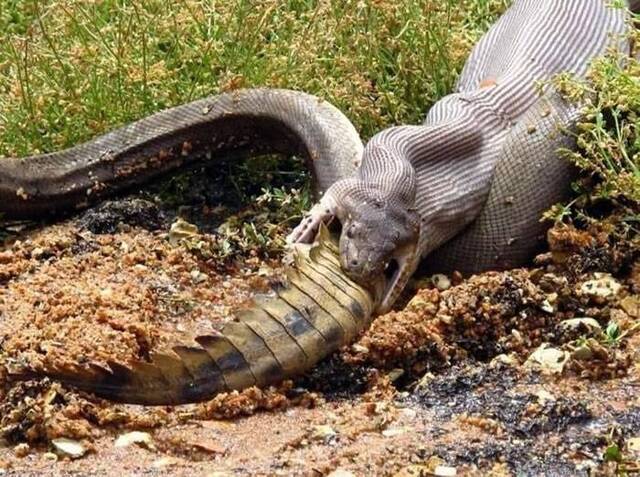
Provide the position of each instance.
(379, 247)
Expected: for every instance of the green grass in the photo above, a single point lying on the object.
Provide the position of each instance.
(71, 69)
(608, 144)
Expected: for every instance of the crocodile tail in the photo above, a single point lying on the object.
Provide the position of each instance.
(319, 310)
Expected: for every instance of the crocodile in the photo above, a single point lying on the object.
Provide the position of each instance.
(312, 315)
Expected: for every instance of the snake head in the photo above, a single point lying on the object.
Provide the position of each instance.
(379, 247)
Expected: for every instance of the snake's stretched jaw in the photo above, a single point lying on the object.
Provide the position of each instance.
(397, 273)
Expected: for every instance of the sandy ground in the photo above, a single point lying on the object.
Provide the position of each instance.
(451, 382)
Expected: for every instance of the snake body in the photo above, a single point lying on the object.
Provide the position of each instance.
(464, 191)
(243, 122)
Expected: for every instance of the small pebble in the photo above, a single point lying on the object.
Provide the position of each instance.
(394, 431)
(323, 433)
(441, 282)
(356, 348)
(603, 286)
(21, 450)
(50, 456)
(69, 447)
(409, 413)
(445, 471)
(143, 439)
(341, 473)
(163, 462)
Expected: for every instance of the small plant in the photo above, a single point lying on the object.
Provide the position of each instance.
(258, 229)
(612, 336)
(614, 453)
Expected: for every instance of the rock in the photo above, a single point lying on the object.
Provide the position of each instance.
(548, 359)
(416, 303)
(545, 397)
(180, 230)
(582, 353)
(425, 380)
(341, 473)
(323, 433)
(50, 456)
(106, 295)
(356, 348)
(416, 470)
(445, 319)
(547, 307)
(265, 271)
(433, 466)
(143, 439)
(21, 450)
(551, 283)
(164, 462)
(209, 445)
(198, 277)
(633, 446)
(37, 252)
(395, 374)
(631, 305)
(576, 323)
(409, 413)
(69, 447)
(445, 471)
(394, 431)
(506, 359)
(517, 336)
(603, 287)
(107, 217)
(441, 282)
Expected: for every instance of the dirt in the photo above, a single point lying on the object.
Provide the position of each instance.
(447, 382)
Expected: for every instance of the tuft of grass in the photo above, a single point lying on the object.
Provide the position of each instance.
(608, 144)
(71, 69)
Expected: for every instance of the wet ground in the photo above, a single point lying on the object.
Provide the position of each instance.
(526, 372)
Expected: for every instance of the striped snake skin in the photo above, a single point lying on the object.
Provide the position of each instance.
(466, 189)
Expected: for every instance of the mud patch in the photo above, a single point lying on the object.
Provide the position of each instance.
(110, 216)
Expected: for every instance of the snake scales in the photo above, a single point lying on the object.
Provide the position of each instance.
(464, 191)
